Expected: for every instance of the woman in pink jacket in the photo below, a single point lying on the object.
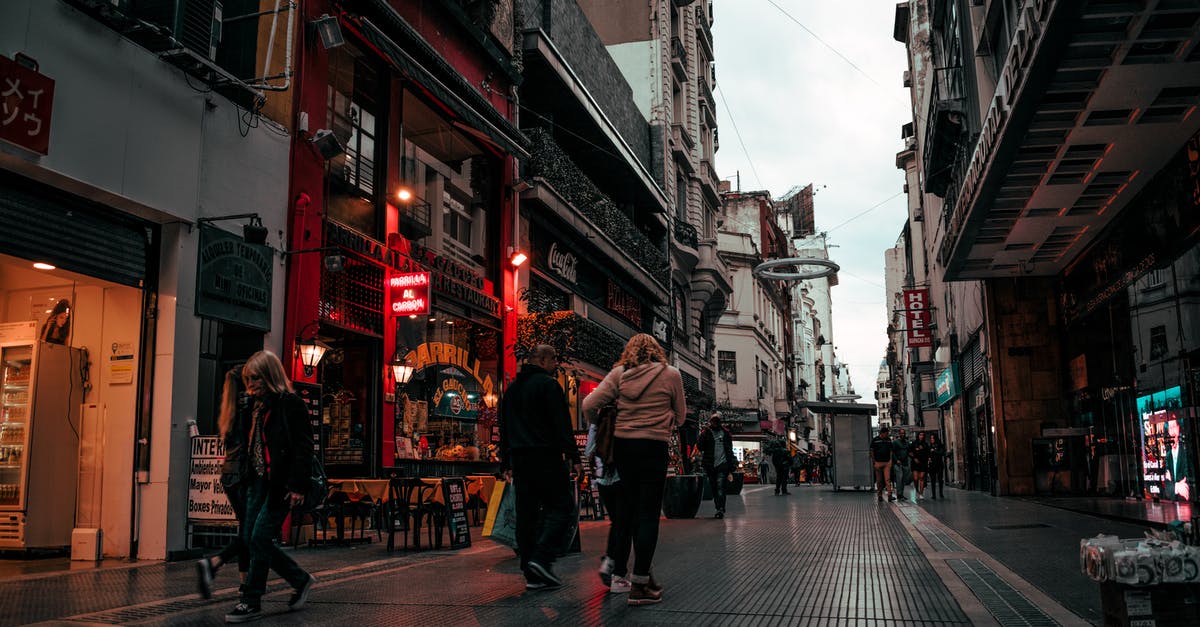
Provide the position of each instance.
(650, 406)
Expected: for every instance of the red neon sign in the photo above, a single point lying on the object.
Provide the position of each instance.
(410, 293)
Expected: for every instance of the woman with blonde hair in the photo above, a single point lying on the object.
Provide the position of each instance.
(650, 406)
(278, 474)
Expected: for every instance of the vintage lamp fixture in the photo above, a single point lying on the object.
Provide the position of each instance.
(311, 350)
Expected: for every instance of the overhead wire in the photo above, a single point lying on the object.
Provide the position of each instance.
(822, 41)
(869, 210)
(729, 112)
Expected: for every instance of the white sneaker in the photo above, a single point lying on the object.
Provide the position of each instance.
(620, 585)
(607, 564)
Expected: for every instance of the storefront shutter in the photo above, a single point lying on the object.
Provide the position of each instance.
(41, 223)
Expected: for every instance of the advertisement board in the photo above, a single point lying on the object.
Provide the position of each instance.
(1166, 466)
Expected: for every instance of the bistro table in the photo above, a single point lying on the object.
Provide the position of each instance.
(479, 492)
(358, 499)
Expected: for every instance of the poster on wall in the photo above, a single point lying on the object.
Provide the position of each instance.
(120, 362)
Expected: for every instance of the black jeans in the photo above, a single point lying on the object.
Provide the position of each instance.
(716, 481)
(264, 517)
(543, 496)
(936, 477)
(608, 496)
(236, 549)
(781, 477)
(643, 468)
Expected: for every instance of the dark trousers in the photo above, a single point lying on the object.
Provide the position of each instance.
(264, 517)
(608, 496)
(643, 468)
(236, 549)
(716, 481)
(936, 477)
(544, 504)
(781, 477)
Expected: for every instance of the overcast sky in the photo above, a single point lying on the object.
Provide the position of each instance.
(806, 115)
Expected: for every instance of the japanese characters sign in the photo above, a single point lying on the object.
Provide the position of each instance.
(26, 100)
(916, 317)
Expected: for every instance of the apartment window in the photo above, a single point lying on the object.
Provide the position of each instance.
(1158, 342)
(456, 221)
(355, 104)
(1156, 279)
(727, 366)
(681, 310)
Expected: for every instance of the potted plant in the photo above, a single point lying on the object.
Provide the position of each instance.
(681, 496)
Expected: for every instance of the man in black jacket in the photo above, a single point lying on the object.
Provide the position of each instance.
(716, 456)
(536, 443)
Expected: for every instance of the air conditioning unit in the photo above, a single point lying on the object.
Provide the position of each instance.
(195, 24)
(919, 214)
(907, 78)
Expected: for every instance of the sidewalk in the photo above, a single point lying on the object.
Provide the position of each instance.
(813, 558)
(1132, 511)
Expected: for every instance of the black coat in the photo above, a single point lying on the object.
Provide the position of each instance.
(289, 441)
(534, 416)
(708, 453)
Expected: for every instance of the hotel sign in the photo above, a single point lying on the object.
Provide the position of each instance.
(916, 315)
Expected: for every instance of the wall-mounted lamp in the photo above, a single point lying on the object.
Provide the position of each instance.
(327, 143)
(402, 368)
(516, 257)
(490, 399)
(328, 30)
(311, 350)
(404, 194)
(253, 232)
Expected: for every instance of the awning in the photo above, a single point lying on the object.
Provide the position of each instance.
(838, 408)
(452, 91)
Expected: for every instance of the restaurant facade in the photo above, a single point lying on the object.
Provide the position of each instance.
(402, 232)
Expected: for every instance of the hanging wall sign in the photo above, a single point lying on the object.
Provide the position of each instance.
(410, 293)
(26, 102)
(233, 279)
(916, 315)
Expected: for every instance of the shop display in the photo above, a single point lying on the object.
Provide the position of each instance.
(1153, 560)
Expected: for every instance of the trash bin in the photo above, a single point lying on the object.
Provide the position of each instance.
(1162, 605)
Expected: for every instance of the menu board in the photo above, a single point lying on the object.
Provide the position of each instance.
(589, 477)
(454, 490)
(310, 393)
(206, 495)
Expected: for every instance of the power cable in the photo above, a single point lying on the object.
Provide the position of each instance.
(823, 42)
(872, 208)
(729, 112)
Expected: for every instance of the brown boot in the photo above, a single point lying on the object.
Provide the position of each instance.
(644, 591)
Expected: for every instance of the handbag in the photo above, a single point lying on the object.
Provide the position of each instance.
(318, 486)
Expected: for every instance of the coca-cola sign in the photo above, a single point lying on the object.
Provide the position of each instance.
(564, 264)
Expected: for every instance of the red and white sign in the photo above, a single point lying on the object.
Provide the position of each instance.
(410, 293)
(26, 100)
(916, 317)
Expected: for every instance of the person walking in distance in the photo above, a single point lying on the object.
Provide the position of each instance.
(919, 452)
(716, 450)
(650, 406)
(783, 467)
(881, 462)
(764, 467)
(234, 474)
(937, 468)
(279, 452)
(536, 445)
(901, 464)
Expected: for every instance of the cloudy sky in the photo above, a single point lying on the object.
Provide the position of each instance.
(813, 89)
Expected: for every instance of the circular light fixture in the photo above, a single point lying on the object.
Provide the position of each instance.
(825, 268)
(41, 265)
(404, 194)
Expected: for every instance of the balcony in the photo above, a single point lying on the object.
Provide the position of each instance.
(708, 113)
(710, 280)
(709, 182)
(682, 145)
(706, 93)
(945, 134)
(577, 339)
(572, 191)
(685, 244)
(704, 31)
(415, 219)
(679, 59)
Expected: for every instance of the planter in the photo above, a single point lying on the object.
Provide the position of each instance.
(681, 496)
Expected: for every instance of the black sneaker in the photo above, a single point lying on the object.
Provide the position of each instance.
(300, 595)
(533, 582)
(204, 578)
(544, 573)
(719, 514)
(244, 613)
(891, 497)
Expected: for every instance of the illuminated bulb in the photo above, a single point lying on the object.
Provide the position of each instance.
(41, 265)
(404, 195)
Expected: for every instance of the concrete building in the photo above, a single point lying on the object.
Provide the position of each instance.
(1054, 170)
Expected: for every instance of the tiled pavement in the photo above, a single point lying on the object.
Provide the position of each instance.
(814, 558)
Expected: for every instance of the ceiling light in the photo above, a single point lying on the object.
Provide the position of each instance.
(41, 265)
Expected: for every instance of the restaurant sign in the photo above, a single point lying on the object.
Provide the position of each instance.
(947, 385)
(26, 103)
(233, 279)
(458, 282)
(410, 293)
(442, 353)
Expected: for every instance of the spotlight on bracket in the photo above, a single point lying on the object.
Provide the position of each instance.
(327, 143)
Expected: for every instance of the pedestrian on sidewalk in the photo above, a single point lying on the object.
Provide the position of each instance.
(233, 472)
(937, 468)
(606, 479)
(716, 450)
(764, 468)
(919, 452)
(650, 407)
(901, 464)
(279, 449)
(536, 445)
(881, 462)
(783, 465)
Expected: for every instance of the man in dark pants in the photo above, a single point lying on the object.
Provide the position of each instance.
(783, 467)
(536, 443)
(716, 456)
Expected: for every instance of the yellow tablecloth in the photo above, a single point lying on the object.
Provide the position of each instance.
(356, 489)
(480, 486)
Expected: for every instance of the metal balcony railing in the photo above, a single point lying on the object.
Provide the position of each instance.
(945, 133)
(685, 234)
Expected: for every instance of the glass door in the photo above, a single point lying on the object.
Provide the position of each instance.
(15, 374)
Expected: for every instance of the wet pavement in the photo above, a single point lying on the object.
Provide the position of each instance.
(813, 558)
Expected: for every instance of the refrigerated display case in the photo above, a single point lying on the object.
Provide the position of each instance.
(40, 397)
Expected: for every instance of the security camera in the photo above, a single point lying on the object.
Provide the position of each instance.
(334, 263)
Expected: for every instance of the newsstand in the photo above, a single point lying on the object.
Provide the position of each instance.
(1144, 582)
